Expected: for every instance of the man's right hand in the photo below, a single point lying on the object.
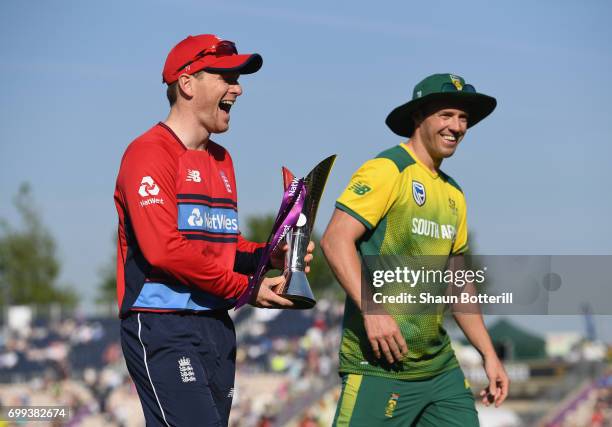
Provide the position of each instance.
(385, 337)
(338, 244)
(267, 298)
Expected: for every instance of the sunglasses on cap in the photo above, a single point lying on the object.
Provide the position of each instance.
(223, 48)
(449, 87)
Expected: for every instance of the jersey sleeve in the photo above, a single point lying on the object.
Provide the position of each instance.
(460, 245)
(369, 194)
(248, 255)
(146, 186)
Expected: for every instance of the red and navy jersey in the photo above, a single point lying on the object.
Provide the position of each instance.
(179, 244)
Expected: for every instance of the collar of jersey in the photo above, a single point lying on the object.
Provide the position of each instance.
(434, 175)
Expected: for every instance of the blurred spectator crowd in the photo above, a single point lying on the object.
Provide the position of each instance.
(68, 362)
(286, 361)
(591, 406)
(286, 372)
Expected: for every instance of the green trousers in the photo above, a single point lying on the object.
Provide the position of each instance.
(445, 400)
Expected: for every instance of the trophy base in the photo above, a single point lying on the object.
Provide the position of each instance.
(298, 291)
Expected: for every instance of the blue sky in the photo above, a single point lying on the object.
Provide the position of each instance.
(82, 79)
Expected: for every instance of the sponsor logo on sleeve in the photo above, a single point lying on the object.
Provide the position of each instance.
(360, 188)
(148, 188)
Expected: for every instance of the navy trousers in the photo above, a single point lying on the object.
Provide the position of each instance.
(183, 366)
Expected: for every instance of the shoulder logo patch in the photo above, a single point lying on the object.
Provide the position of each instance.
(148, 187)
(359, 188)
(225, 181)
(418, 192)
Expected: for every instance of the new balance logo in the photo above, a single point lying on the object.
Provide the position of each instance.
(359, 188)
(186, 370)
(193, 175)
(148, 187)
(195, 219)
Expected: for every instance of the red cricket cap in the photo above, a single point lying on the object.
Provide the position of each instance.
(209, 53)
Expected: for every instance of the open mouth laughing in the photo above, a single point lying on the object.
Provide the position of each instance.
(226, 105)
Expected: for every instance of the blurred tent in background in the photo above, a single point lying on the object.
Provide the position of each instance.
(513, 343)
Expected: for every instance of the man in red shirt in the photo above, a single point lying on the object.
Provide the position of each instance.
(181, 261)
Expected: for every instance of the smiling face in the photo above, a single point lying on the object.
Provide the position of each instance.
(212, 98)
(440, 129)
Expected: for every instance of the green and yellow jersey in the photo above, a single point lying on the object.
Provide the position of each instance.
(408, 211)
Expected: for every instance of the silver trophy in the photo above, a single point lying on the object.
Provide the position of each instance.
(296, 287)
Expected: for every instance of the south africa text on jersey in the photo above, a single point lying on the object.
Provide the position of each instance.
(425, 227)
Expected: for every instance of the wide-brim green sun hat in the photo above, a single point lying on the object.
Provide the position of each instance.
(441, 87)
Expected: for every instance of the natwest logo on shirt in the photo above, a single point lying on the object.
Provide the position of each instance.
(204, 218)
(195, 219)
(148, 187)
(221, 222)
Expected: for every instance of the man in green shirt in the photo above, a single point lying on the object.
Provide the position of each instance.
(398, 367)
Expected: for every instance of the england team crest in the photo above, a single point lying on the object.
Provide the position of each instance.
(418, 192)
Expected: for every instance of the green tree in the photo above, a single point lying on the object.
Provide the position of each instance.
(320, 277)
(29, 266)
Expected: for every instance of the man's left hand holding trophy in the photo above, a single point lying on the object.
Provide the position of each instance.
(267, 297)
